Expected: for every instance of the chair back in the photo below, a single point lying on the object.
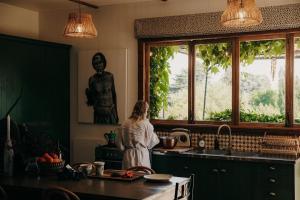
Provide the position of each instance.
(59, 193)
(3, 195)
(147, 170)
(185, 191)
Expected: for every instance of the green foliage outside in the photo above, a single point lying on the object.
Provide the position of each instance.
(247, 117)
(159, 78)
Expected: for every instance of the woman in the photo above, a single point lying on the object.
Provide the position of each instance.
(137, 137)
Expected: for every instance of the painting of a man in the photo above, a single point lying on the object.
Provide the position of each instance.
(101, 93)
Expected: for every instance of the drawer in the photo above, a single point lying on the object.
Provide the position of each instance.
(280, 169)
(278, 195)
(277, 181)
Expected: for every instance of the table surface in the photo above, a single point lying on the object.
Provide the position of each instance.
(100, 188)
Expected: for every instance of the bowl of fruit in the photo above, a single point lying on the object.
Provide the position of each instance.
(50, 162)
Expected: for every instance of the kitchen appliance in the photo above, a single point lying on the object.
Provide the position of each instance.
(183, 137)
(111, 138)
(168, 142)
(112, 156)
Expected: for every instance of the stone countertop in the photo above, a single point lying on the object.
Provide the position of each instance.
(235, 155)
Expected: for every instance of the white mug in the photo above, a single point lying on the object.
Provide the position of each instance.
(99, 168)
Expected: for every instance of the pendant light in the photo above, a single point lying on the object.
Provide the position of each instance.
(80, 24)
(241, 13)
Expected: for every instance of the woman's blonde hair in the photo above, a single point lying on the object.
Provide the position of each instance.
(139, 111)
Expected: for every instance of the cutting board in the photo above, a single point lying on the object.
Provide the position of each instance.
(174, 150)
(108, 175)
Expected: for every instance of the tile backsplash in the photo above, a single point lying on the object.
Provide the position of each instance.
(241, 142)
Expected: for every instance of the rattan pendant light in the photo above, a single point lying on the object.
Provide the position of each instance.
(241, 13)
(80, 25)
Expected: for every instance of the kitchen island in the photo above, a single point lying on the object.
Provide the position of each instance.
(32, 188)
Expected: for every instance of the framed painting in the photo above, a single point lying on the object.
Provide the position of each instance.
(102, 86)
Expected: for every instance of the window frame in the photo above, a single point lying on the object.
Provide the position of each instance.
(290, 127)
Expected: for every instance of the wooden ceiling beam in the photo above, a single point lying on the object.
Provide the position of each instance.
(85, 4)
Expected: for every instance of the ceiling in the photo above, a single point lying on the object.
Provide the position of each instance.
(42, 5)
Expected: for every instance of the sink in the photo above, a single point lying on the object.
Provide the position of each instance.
(242, 154)
(215, 152)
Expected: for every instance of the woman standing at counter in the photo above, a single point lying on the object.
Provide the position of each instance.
(137, 137)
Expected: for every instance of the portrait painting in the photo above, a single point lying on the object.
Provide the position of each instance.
(102, 86)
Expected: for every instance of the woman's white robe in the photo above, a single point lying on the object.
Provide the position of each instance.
(135, 139)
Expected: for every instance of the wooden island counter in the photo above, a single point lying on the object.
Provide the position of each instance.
(32, 188)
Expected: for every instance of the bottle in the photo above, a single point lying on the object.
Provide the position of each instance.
(58, 151)
(8, 157)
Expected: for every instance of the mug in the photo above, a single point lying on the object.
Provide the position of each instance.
(85, 168)
(99, 168)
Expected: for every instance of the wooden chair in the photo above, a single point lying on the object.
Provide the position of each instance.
(58, 193)
(186, 190)
(147, 170)
(3, 195)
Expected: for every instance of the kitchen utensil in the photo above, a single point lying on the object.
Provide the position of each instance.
(168, 142)
(158, 177)
(183, 137)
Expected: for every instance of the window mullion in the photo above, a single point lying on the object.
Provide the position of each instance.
(289, 81)
(235, 81)
(191, 83)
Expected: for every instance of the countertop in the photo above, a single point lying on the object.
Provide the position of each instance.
(222, 155)
(93, 188)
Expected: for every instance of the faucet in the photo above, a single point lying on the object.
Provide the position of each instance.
(216, 144)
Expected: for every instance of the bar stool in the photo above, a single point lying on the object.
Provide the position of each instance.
(59, 193)
(186, 190)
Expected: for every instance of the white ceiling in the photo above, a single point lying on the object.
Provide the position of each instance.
(39, 5)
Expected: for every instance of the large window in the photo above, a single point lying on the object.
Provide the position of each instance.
(241, 80)
(262, 81)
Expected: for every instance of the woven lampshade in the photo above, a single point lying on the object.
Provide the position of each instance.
(80, 25)
(241, 13)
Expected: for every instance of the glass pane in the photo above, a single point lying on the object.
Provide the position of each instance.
(297, 81)
(169, 82)
(213, 82)
(262, 81)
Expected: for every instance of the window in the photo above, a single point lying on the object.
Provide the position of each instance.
(241, 80)
(169, 82)
(262, 81)
(213, 83)
(297, 80)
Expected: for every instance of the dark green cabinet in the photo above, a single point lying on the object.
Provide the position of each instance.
(41, 69)
(221, 179)
(275, 181)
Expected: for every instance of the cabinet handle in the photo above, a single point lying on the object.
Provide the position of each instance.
(272, 168)
(215, 170)
(223, 170)
(272, 180)
(273, 194)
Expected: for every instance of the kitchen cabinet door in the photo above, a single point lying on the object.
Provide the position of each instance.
(221, 179)
(275, 181)
(171, 164)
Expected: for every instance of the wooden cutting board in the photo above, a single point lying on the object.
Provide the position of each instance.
(108, 175)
